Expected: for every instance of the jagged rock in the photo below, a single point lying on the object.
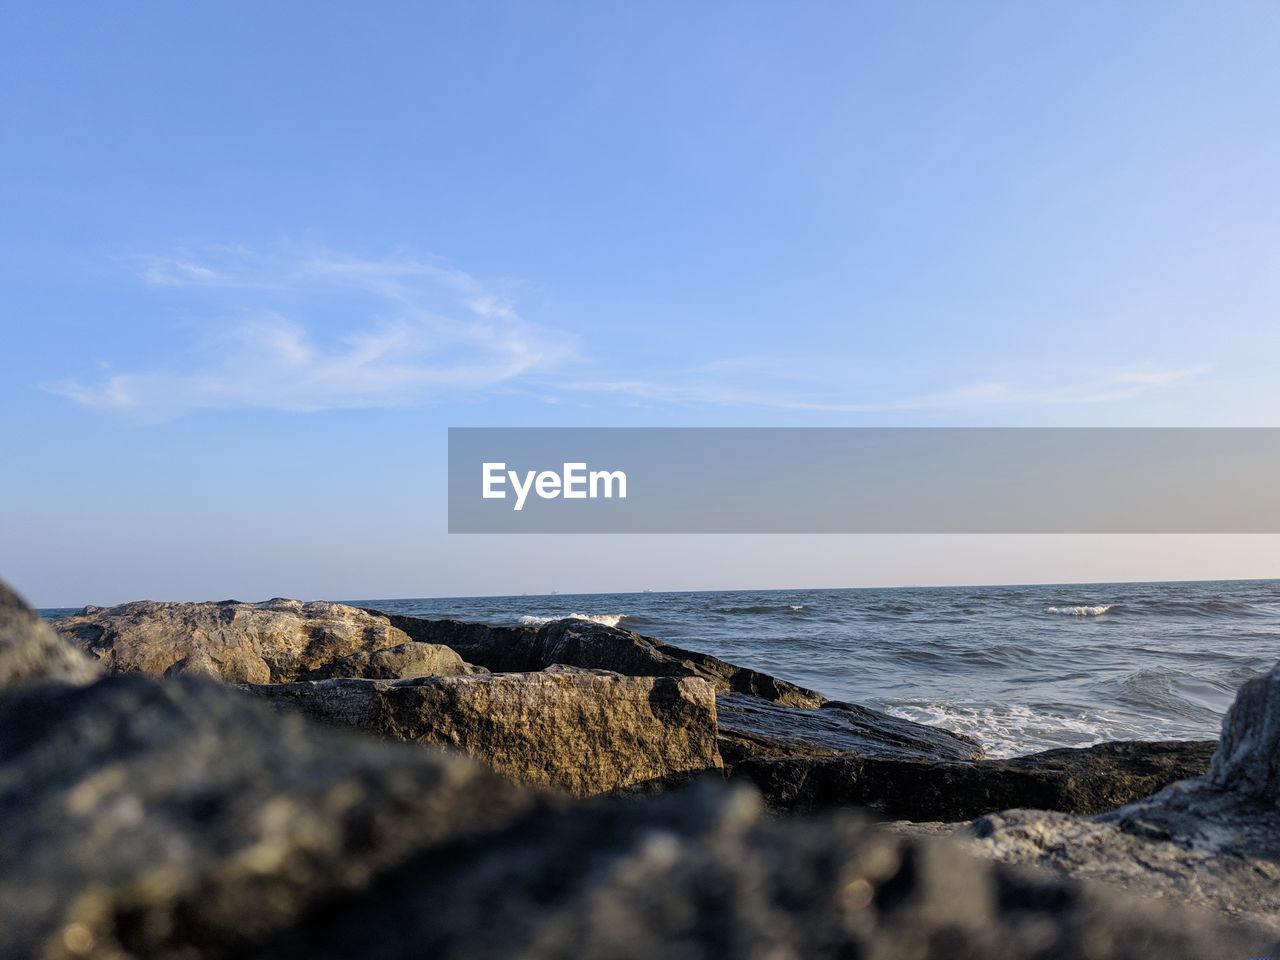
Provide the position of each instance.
(586, 732)
(272, 642)
(158, 820)
(582, 643)
(31, 652)
(1085, 780)
(750, 727)
(1211, 840)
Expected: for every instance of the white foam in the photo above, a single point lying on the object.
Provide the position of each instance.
(797, 607)
(1010, 730)
(604, 619)
(1082, 610)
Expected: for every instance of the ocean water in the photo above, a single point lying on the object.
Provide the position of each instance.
(1022, 668)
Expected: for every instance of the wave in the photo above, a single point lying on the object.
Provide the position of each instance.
(604, 619)
(1011, 730)
(1082, 610)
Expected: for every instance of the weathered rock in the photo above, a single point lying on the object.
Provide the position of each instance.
(1212, 840)
(582, 643)
(272, 642)
(31, 652)
(1085, 781)
(586, 732)
(1244, 886)
(179, 819)
(750, 728)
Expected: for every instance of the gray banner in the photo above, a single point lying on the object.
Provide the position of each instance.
(864, 480)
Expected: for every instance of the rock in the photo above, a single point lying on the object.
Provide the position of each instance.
(1212, 840)
(750, 727)
(163, 819)
(272, 642)
(579, 731)
(1087, 780)
(582, 643)
(700, 874)
(31, 652)
(141, 818)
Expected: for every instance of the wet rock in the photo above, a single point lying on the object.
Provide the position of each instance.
(586, 732)
(1211, 840)
(31, 652)
(751, 728)
(272, 642)
(1084, 781)
(581, 643)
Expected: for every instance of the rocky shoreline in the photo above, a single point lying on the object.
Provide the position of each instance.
(229, 779)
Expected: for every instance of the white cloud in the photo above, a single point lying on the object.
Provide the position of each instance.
(316, 330)
(414, 330)
(708, 385)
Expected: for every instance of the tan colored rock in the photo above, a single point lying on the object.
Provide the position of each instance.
(272, 642)
(585, 732)
(31, 652)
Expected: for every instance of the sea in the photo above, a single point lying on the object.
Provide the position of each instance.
(1021, 668)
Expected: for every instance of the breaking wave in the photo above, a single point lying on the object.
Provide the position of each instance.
(604, 619)
(1082, 610)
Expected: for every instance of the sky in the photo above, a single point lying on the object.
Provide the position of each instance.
(255, 259)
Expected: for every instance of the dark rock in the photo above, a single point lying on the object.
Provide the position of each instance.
(142, 818)
(750, 728)
(1213, 840)
(30, 652)
(1088, 780)
(699, 874)
(586, 732)
(272, 642)
(581, 643)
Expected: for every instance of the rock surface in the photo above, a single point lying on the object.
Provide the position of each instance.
(1084, 781)
(272, 642)
(1213, 840)
(31, 652)
(750, 728)
(581, 731)
(581, 643)
(178, 818)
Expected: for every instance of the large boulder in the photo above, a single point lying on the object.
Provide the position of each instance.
(751, 728)
(1084, 780)
(1211, 840)
(30, 652)
(272, 642)
(586, 732)
(583, 643)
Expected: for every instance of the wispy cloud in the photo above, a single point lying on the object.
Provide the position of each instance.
(319, 330)
(715, 385)
(409, 330)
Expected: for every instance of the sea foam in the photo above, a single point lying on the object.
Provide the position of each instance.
(604, 619)
(1082, 610)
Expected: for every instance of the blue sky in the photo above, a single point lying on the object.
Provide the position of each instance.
(257, 258)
